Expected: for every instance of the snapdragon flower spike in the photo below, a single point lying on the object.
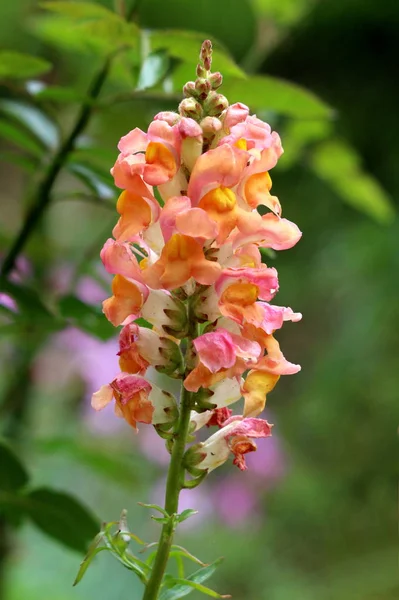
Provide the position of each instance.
(191, 266)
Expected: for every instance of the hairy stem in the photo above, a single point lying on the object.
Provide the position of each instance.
(173, 487)
(42, 195)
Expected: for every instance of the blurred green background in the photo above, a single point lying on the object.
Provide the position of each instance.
(314, 516)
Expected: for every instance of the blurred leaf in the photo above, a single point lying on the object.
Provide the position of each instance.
(153, 69)
(13, 475)
(62, 517)
(20, 138)
(233, 23)
(185, 45)
(15, 65)
(38, 123)
(79, 10)
(86, 317)
(58, 93)
(340, 166)
(284, 12)
(183, 589)
(155, 507)
(79, 25)
(277, 95)
(27, 163)
(297, 135)
(30, 305)
(96, 180)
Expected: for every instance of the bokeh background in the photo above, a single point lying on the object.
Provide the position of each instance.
(314, 516)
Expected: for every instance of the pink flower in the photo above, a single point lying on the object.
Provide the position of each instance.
(136, 400)
(236, 113)
(236, 437)
(220, 349)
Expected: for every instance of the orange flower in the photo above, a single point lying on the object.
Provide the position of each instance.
(181, 258)
(127, 300)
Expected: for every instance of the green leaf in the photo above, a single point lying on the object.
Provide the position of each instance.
(30, 305)
(86, 317)
(185, 45)
(99, 184)
(59, 94)
(185, 584)
(13, 475)
(277, 95)
(62, 517)
(27, 163)
(79, 25)
(36, 121)
(183, 589)
(15, 65)
(340, 166)
(78, 10)
(20, 138)
(298, 135)
(153, 70)
(93, 550)
(155, 507)
(186, 514)
(233, 23)
(284, 12)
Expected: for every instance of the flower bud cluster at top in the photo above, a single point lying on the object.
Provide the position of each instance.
(190, 288)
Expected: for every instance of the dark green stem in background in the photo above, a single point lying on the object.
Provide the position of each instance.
(174, 486)
(42, 195)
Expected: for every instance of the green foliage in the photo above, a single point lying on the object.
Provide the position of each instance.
(85, 316)
(340, 166)
(60, 516)
(276, 95)
(236, 30)
(13, 475)
(184, 46)
(176, 588)
(15, 65)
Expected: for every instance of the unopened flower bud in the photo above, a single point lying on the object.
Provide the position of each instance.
(189, 89)
(215, 104)
(189, 107)
(216, 80)
(206, 54)
(170, 117)
(203, 87)
(210, 126)
(201, 72)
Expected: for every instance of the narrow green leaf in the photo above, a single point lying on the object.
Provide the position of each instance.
(277, 95)
(36, 121)
(92, 180)
(185, 586)
(93, 550)
(155, 507)
(153, 70)
(79, 10)
(198, 577)
(13, 475)
(30, 305)
(59, 94)
(185, 45)
(340, 166)
(27, 163)
(62, 517)
(15, 65)
(179, 550)
(186, 514)
(86, 317)
(18, 137)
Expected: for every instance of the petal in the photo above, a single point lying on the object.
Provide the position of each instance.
(102, 398)
(118, 258)
(134, 141)
(255, 389)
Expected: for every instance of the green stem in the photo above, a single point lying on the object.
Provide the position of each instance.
(42, 195)
(174, 485)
